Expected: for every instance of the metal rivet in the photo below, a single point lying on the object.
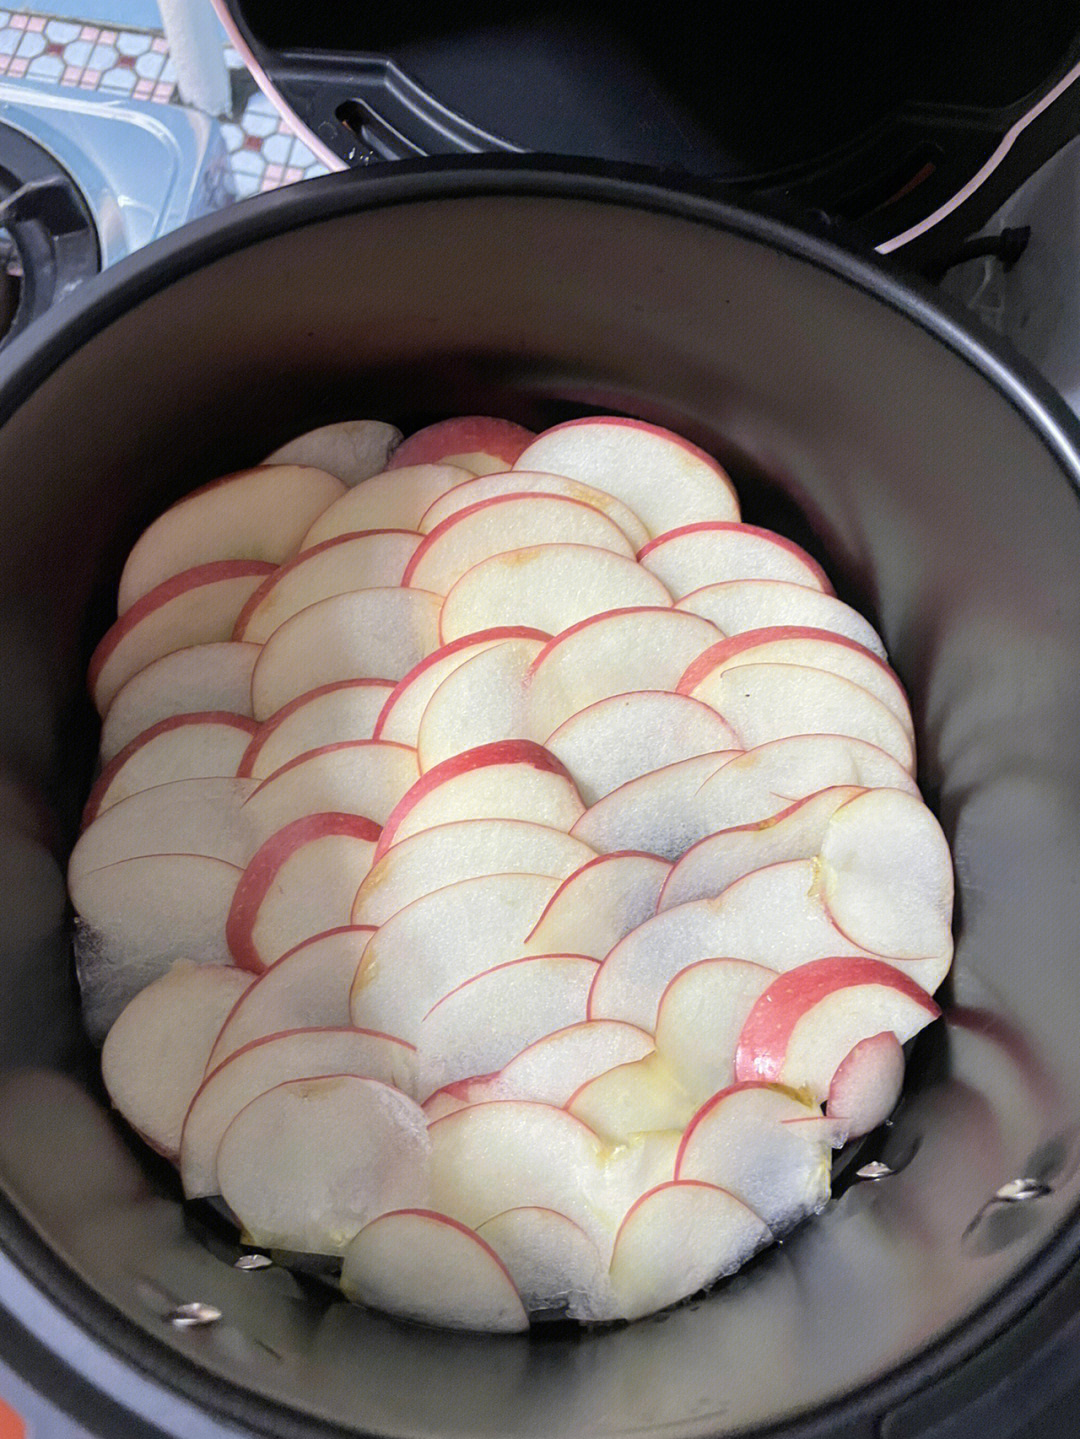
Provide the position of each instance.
(193, 1316)
(1017, 1190)
(253, 1261)
(874, 1170)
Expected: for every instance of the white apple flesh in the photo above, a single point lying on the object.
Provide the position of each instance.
(636, 1098)
(259, 514)
(266, 1063)
(555, 1266)
(352, 450)
(424, 1266)
(364, 777)
(603, 899)
(392, 500)
(502, 523)
(331, 714)
(865, 1088)
(518, 482)
(307, 988)
(195, 746)
(436, 943)
(201, 677)
(548, 587)
(156, 1053)
(373, 560)
(677, 1239)
(735, 606)
(481, 701)
(701, 1015)
(663, 478)
(618, 739)
(197, 607)
(305, 1165)
(464, 849)
(660, 813)
(692, 556)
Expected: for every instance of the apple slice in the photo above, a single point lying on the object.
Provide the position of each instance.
(300, 883)
(305, 1165)
(405, 705)
(137, 917)
(695, 555)
(554, 1264)
(802, 645)
(664, 479)
(616, 740)
(659, 813)
(769, 778)
(678, 1238)
(196, 607)
(549, 587)
(887, 877)
(387, 501)
(307, 988)
(632, 1099)
(259, 514)
(735, 606)
(463, 849)
(809, 1019)
(701, 1015)
(352, 450)
(490, 1017)
(743, 1140)
(476, 442)
(519, 482)
(266, 1063)
(510, 1153)
(200, 678)
(605, 898)
(479, 702)
(708, 867)
(554, 1067)
(194, 746)
(189, 816)
(424, 1266)
(375, 559)
(611, 654)
(866, 1086)
(632, 979)
(437, 942)
(376, 634)
(362, 776)
(344, 710)
(776, 701)
(156, 1053)
(512, 779)
(503, 523)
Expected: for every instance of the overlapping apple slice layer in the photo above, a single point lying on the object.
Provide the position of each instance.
(506, 873)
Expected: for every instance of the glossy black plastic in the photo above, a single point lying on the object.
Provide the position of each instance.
(938, 486)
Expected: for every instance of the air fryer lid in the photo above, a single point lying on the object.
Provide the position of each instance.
(879, 116)
(937, 488)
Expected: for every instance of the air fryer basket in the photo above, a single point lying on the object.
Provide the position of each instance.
(937, 487)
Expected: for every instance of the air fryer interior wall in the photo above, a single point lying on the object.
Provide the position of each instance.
(940, 499)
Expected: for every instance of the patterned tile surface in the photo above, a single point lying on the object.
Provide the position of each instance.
(125, 62)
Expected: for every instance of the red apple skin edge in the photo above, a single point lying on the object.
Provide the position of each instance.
(740, 528)
(469, 435)
(105, 778)
(257, 597)
(503, 751)
(263, 867)
(501, 632)
(264, 730)
(313, 1029)
(162, 594)
(590, 864)
(764, 1038)
(749, 639)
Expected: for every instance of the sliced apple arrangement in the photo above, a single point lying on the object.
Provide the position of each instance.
(506, 872)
